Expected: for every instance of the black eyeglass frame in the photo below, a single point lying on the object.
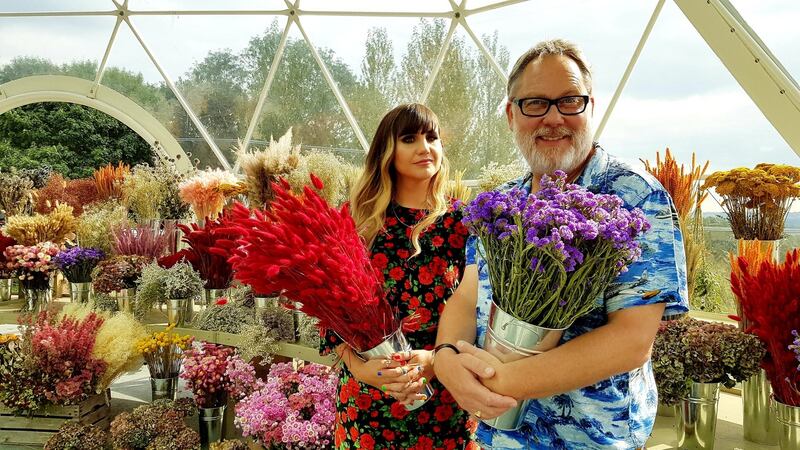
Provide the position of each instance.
(552, 102)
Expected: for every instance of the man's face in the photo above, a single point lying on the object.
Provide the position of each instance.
(553, 141)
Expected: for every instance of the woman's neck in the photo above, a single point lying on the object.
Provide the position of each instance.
(412, 193)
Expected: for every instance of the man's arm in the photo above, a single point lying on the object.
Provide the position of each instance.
(621, 345)
(458, 372)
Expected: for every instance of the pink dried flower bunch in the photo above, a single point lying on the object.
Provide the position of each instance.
(142, 240)
(241, 377)
(204, 370)
(31, 261)
(59, 352)
(293, 409)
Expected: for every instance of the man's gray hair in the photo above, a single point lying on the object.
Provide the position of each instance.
(547, 48)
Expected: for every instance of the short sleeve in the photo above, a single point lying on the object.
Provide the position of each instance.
(659, 276)
(472, 249)
(328, 342)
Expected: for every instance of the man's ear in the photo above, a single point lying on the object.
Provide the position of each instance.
(510, 114)
(591, 100)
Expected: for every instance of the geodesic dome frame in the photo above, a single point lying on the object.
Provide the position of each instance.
(740, 49)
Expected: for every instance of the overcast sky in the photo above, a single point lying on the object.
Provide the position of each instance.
(679, 95)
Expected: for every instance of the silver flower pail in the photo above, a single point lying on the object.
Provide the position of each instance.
(789, 420)
(211, 295)
(5, 289)
(211, 425)
(697, 417)
(179, 311)
(394, 343)
(758, 421)
(164, 388)
(80, 292)
(510, 339)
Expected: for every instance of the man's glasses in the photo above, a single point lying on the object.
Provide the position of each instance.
(537, 107)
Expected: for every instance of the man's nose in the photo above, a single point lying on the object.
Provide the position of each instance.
(553, 117)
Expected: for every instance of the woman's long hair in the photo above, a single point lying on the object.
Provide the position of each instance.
(375, 188)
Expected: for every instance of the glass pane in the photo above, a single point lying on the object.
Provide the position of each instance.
(375, 61)
(206, 5)
(52, 46)
(55, 5)
(300, 98)
(468, 97)
(131, 73)
(681, 96)
(775, 22)
(218, 72)
(372, 5)
(607, 32)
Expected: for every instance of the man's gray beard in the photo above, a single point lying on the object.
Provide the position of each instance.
(538, 160)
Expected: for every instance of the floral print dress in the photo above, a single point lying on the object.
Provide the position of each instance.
(366, 418)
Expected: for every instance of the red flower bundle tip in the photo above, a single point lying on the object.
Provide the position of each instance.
(310, 251)
(769, 295)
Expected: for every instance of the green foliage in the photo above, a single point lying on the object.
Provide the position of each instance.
(72, 139)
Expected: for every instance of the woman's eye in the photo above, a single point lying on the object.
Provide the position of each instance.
(433, 137)
(407, 139)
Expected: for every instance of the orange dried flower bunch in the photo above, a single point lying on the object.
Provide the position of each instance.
(681, 184)
(108, 180)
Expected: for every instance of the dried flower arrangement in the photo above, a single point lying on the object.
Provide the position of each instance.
(15, 193)
(57, 226)
(148, 241)
(143, 192)
(205, 192)
(683, 187)
(159, 425)
(493, 175)
(158, 284)
(264, 167)
(78, 436)
(95, 226)
(108, 180)
(690, 350)
(75, 193)
(757, 200)
(456, 188)
(117, 273)
(769, 295)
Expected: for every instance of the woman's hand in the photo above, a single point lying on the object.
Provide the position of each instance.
(386, 374)
(419, 364)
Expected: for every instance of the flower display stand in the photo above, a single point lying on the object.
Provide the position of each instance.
(37, 428)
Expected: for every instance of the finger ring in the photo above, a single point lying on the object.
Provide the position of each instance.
(405, 371)
(478, 414)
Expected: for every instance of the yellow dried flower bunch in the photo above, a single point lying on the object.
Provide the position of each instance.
(328, 168)
(757, 200)
(143, 192)
(262, 167)
(163, 339)
(493, 175)
(56, 227)
(94, 227)
(457, 189)
(5, 338)
(765, 185)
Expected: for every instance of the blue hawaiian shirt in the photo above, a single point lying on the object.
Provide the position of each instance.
(618, 412)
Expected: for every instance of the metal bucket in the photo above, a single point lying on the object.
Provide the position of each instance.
(789, 420)
(510, 339)
(697, 418)
(758, 421)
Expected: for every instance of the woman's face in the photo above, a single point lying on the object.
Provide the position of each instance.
(418, 157)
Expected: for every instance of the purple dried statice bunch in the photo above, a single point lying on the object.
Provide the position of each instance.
(77, 263)
(551, 254)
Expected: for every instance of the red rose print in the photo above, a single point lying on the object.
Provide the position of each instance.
(423, 417)
(443, 412)
(456, 240)
(437, 241)
(439, 291)
(353, 434)
(352, 412)
(379, 260)
(363, 401)
(425, 276)
(398, 411)
(339, 435)
(388, 435)
(403, 253)
(397, 273)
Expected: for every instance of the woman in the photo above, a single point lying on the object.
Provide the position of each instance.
(417, 242)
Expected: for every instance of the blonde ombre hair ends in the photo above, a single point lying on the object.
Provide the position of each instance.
(374, 190)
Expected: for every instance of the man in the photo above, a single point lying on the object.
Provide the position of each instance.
(596, 389)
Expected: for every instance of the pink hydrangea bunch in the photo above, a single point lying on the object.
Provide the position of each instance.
(293, 409)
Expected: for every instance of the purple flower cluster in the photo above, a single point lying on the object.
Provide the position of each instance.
(551, 254)
(77, 263)
(565, 217)
(293, 409)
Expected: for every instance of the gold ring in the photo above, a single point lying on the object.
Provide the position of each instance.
(478, 414)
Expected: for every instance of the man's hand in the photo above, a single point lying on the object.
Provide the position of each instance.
(484, 362)
(462, 375)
